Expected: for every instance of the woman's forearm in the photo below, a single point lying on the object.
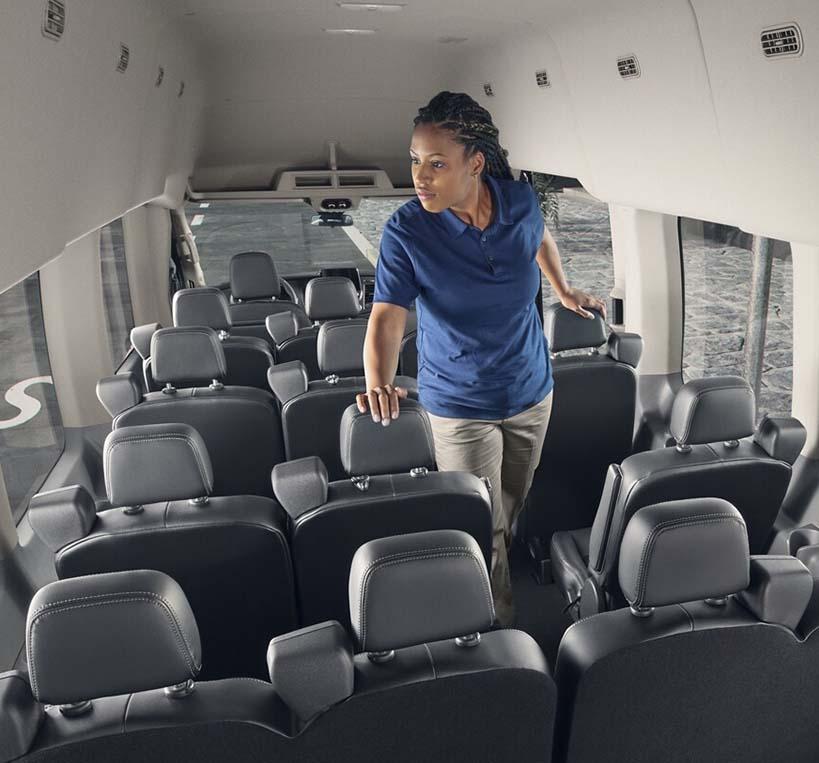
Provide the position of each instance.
(385, 330)
(548, 259)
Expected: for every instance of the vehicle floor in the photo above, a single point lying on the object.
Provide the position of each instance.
(539, 608)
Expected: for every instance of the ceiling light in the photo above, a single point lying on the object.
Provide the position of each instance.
(351, 31)
(384, 7)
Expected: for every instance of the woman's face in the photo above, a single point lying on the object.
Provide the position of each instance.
(442, 174)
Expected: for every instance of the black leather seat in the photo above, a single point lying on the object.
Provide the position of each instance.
(115, 680)
(331, 298)
(707, 662)
(592, 422)
(229, 554)
(311, 411)
(390, 490)
(256, 291)
(241, 426)
(141, 342)
(712, 421)
(247, 357)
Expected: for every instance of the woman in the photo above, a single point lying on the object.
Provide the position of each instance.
(468, 250)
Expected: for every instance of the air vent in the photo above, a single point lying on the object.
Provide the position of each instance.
(781, 41)
(54, 20)
(628, 67)
(542, 78)
(124, 58)
(160, 75)
(346, 181)
(313, 181)
(181, 89)
(487, 89)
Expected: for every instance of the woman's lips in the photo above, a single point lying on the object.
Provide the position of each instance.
(424, 194)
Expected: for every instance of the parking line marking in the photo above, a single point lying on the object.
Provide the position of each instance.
(197, 220)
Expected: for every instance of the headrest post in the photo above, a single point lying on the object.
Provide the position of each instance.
(379, 658)
(76, 709)
(169, 389)
(641, 611)
(731, 444)
(717, 602)
(332, 379)
(682, 448)
(216, 385)
(136, 509)
(362, 482)
(468, 642)
(181, 690)
(223, 335)
(419, 471)
(201, 501)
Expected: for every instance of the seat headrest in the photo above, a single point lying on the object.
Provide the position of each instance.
(156, 462)
(625, 348)
(287, 380)
(324, 653)
(420, 587)
(780, 589)
(193, 354)
(371, 448)
(682, 551)
(300, 485)
(118, 393)
(104, 635)
(282, 326)
(141, 338)
(781, 437)
(203, 306)
(716, 409)
(61, 516)
(566, 330)
(253, 275)
(340, 347)
(331, 297)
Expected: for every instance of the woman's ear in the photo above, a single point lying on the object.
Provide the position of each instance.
(478, 162)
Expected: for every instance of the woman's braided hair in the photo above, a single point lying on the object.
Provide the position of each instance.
(472, 127)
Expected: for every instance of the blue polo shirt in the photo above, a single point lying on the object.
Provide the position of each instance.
(482, 353)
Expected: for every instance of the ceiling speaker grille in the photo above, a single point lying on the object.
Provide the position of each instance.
(488, 90)
(542, 78)
(54, 19)
(781, 41)
(124, 58)
(628, 67)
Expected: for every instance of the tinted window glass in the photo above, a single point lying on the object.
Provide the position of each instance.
(116, 291)
(31, 432)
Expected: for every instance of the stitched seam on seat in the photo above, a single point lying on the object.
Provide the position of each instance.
(145, 596)
(431, 661)
(415, 556)
(658, 530)
(151, 438)
(692, 409)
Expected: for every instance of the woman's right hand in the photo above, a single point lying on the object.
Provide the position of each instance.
(382, 402)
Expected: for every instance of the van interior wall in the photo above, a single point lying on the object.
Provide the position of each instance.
(147, 232)
(711, 129)
(82, 142)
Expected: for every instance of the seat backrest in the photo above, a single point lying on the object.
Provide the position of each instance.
(390, 490)
(247, 358)
(241, 426)
(711, 419)
(592, 422)
(230, 555)
(255, 289)
(670, 678)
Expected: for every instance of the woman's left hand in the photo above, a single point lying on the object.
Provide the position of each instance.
(576, 300)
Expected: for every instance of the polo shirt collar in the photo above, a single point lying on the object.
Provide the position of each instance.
(455, 226)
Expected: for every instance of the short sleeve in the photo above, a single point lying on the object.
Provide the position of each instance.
(536, 215)
(394, 273)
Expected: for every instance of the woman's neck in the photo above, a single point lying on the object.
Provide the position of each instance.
(477, 208)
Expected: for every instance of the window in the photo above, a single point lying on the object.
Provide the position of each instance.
(31, 431)
(580, 226)
(283, 229)
(738, 311)
(115, 291)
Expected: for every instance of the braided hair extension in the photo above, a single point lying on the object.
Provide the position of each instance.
(472, 127)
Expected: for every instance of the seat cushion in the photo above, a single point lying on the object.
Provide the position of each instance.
(570, 561)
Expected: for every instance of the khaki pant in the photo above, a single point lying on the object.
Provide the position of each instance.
(507, 452)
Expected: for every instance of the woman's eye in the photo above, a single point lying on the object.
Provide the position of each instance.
(437, 165)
